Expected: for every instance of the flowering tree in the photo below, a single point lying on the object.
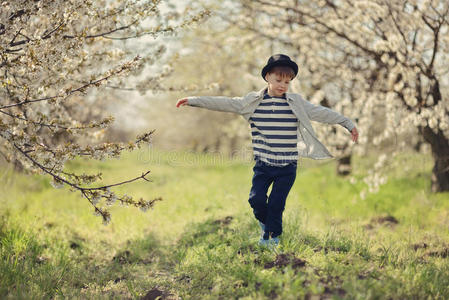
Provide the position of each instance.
(56, 59)
(374, 56)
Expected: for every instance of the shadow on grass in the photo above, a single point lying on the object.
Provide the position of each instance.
(71, 267)
(33, 269)
(215, 259)
(25, 272)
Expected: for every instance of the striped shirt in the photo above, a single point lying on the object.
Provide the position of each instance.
(274, 132)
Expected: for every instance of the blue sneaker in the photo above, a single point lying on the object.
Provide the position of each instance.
(263, 242)
(271, 244)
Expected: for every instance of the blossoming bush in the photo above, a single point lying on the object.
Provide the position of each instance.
(55, 59)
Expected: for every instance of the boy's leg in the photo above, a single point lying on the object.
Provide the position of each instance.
(276, 201)
(258, 194)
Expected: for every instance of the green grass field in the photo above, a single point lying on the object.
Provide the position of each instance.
(200, 242)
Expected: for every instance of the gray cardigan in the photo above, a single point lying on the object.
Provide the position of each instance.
(308, 145)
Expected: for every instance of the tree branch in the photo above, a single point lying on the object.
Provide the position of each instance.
(70, 92)
(87, 192)
(436, 33)
(318, 21)
(48, 35)
(121, 183)
(44, 124)
(104, 33)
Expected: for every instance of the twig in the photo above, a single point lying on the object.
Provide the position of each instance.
(120, 183)
(82, 189)
(69, 93)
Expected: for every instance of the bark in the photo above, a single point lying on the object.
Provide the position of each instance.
(344, 166)
(418, 145)
(344, 163)
(440, 152)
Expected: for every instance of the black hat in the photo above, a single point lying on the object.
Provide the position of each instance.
(279, 60)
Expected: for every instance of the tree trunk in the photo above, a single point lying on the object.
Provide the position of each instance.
(344, 163)
(440, 152)
(344, 166)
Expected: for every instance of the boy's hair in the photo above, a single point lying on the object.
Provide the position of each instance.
(283, 71)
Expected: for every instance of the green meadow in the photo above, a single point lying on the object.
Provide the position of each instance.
(200, 241)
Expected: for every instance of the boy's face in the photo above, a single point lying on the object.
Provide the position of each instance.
(277, 84)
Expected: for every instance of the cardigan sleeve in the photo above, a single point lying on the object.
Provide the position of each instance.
(218, 103)
(326, 115)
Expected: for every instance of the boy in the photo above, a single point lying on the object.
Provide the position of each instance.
(281, 132)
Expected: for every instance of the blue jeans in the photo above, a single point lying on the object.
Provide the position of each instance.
(268, 210)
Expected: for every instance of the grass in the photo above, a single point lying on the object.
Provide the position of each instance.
(201, 240)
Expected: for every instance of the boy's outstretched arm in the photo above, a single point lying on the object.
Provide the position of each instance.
(218, 103)
(326, 115)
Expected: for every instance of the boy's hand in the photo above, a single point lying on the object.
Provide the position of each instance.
(354, 134)
(182, 102)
